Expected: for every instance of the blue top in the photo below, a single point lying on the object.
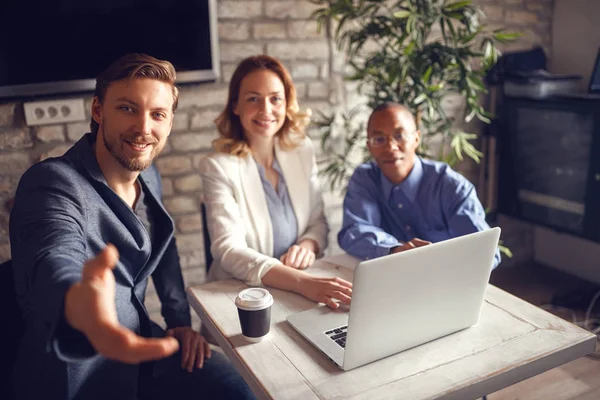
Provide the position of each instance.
(283, 217)
(433, 203)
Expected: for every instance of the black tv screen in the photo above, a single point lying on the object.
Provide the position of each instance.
(548, 172)
(58, 46)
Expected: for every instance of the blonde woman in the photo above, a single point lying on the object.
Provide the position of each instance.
(263, 201)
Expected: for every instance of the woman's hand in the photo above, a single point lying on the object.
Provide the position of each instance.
(298, 257)
(326, 290)
(301, 255)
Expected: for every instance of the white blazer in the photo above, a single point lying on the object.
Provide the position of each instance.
(238, 217)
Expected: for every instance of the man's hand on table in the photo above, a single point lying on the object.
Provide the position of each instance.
(411, 244)
(194, 347)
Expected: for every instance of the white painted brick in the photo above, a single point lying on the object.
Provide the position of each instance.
(227, 71)
(300, 90)
(190, 183)
(180, 121)
(306, 50)
(191, 141)
(55, 151)
(167, 186)
(234, 30)
(493, 12)
(189, 223)
(305, 70)
(15, 139)
(203, 96)
(76, 130)
(167, 149)
(88, 101)
(521, 17)
(318, 90)
(14, 163)
(181, 205)
(315, 106)
(193, 260)
(172, 165)
(7, 114)
(205, 118)
(268, 30)
(189, 241)
(197, 274)
(7, 187)
(304, 30)
(324, 70)
(50, 133)
(289, 9)
(239, 9)
(238, 51)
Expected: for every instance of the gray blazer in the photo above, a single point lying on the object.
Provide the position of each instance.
(64, 214)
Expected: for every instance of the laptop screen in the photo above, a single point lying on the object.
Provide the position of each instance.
(595, 79)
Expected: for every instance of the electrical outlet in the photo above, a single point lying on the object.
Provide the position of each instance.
(54, 111)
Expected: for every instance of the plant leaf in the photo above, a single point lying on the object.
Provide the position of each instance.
(401, 14)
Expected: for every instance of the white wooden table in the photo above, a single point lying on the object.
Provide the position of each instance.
(514, 340)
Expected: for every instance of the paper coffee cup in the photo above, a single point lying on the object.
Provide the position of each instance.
(254, 310)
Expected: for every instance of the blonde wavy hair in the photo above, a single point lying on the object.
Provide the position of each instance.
(233, 140)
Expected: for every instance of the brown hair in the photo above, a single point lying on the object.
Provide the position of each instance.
(135, 65)
(232, 140)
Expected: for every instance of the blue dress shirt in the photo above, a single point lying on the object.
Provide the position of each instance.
(283, 217)
(433, 203)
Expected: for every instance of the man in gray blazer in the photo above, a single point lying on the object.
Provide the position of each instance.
(88, 334)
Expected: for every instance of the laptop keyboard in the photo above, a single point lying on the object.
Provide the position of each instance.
(338, 335)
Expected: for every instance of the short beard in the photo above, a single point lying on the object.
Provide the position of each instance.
(132, 165)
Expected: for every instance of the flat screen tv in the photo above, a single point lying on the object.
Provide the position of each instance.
(60, 46)
(550, 164)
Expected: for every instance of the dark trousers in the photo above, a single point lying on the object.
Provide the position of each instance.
(217, 379)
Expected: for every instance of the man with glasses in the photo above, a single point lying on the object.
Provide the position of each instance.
(400, 201)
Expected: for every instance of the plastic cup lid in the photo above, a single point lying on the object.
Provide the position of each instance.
(254, 299)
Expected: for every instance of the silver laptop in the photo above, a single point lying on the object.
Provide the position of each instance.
(403, 300)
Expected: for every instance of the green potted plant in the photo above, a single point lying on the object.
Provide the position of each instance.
(414, 52)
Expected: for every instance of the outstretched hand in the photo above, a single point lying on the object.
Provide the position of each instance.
(90, 308)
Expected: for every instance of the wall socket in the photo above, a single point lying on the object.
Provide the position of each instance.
(54, 111)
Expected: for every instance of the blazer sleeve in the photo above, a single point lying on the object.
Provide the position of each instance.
(168, 279)
(317, 228)
(227, 233)
(47, 232)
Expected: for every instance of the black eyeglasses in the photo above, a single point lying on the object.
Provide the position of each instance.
(381, 140)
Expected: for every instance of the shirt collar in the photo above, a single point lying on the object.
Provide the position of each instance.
(410, 186)
(275, 166)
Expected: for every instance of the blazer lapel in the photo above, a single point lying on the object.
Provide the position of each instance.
(296, 181)
(163, 227)
(256, 204)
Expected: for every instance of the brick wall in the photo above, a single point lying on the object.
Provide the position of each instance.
(277, 27)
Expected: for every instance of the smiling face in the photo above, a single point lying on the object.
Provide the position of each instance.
(261, 105)
(393, 139)
(134, 120)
